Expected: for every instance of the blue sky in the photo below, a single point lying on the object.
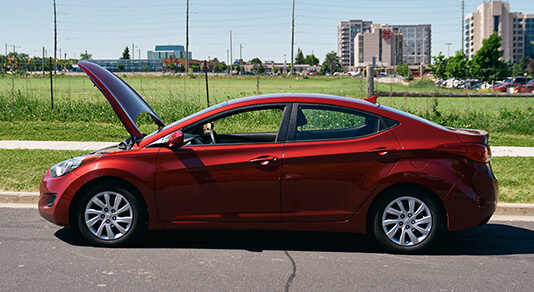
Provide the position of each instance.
(263, 28)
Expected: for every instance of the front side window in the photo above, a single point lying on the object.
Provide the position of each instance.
(249, 125)
(326, 123)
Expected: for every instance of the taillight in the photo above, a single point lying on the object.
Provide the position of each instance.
(473, 151)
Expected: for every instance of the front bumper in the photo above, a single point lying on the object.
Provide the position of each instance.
(63, 188)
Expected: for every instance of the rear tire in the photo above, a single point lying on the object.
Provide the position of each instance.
(406, 221)
(110, 215)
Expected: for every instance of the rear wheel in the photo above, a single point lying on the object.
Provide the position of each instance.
(406, 221)
(110, 216)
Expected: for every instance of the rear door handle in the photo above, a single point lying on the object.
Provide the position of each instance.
(264, 160)
(381, 151)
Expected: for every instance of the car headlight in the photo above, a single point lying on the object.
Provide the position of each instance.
(69, 165)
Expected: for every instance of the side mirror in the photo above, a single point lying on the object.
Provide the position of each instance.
(176, 139)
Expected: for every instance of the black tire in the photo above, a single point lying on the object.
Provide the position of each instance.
(406, 221)
(110, 215)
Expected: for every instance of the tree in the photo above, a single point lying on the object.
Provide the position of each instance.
(258, 68)
(331, 63)
(530, 67)
(256, 61)
(311, 60)
(120, 66)
(438, 68)
(486, 63)
(300, 57)
(403, 70)
(171, 67)
(520, 68)
(125, 54)
(458, 65)
(86, 56)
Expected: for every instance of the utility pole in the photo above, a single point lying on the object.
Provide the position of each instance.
(43, 60)
(231, 51)
(240, 54)
(463, 26)
(187, 39)
(133, 57)
(292, 36)
(55, 39)
(448, 49)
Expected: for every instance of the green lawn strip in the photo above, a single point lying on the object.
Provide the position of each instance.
(22, 170)
(56, 131)
(515, 177)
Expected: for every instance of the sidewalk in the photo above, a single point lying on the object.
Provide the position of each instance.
(496, 151)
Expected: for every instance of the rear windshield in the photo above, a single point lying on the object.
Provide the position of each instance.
(417, 118)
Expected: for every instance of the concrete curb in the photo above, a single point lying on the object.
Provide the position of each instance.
(522, 212)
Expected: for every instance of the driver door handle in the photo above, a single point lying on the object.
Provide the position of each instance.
(264, 160)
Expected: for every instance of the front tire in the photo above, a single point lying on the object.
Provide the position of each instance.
(110, 215)
(406, 221)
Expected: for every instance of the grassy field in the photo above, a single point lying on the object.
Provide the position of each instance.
(81, 112)
(23, 170)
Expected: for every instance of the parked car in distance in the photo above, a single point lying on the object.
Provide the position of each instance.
(295, 162)
(504, 87)
(517, 79)
(524, 88)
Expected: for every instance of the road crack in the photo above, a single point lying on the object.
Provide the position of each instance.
(292, 276)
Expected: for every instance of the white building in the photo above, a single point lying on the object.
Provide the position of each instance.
(515, 28)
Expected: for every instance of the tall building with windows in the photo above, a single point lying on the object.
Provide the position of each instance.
(346, 32)
(381, 46)
(359, 41)
(515, 28)
(416, 43)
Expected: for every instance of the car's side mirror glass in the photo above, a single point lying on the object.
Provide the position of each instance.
(176, 139)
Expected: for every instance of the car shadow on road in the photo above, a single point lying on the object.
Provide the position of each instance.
(490, 239)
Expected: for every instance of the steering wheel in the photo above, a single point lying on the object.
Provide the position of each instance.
(214, 137)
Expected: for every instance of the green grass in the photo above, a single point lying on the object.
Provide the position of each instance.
(515, 178)
(22, 170)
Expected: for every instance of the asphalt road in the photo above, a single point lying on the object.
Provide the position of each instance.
(38, 256)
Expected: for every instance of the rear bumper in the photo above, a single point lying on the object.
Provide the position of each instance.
(473, 200)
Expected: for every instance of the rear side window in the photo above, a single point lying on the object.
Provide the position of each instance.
(325, 123)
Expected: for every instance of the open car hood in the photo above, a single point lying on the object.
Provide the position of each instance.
(126, 103)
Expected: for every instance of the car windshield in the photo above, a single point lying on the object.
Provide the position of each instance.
(189, 117)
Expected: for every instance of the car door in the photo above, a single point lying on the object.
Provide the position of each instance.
(334, 158)
(235, 179)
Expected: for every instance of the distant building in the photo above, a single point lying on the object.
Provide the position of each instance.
(167, 51)
(381, 46)
(359, 41)
(515, 28)
(346, 32)
(416, 43)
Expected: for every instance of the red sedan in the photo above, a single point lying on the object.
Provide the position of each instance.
(504, 87)
(303, 162)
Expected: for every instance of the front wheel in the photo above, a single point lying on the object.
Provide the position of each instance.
(406, 221)
(110, 216)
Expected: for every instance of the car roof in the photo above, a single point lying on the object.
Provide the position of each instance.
(302, 98)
